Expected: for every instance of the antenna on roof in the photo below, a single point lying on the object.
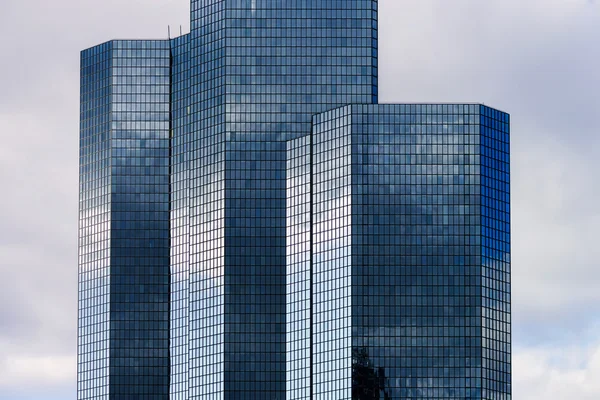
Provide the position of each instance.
(180, 30)
(169, 28)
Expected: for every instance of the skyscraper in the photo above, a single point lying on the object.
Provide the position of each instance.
(254, 226)
(124, 221)
(398, 218)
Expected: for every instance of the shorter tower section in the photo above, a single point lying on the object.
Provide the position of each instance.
(124, 221)
(409, 253)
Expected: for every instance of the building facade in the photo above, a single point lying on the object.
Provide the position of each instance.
(398, 254)
(124, 221)
(254, 226)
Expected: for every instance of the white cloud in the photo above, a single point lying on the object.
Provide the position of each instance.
(37, 372)
(555, 218)
(557, 373)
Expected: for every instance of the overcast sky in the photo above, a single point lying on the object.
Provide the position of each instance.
(539, 60)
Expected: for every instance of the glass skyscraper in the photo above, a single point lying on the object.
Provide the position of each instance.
(398, 219)
(253, 225)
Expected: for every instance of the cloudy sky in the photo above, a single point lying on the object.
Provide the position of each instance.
(539, 60)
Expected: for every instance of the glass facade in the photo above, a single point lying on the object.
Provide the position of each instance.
(181, 119)
(299, 261)
(410, 252)
(495, 253)
(205, 166)
(95, 175)
(247, 234)
(259, 71)
(124, 221)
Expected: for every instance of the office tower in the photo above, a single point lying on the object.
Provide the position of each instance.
(398, 227)
(247, 233)
(259, 71)
(124, 221)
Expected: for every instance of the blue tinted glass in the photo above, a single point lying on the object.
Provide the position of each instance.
(410, 251)
(245, 233)
(124, 221)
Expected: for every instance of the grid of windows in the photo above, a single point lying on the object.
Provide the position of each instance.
(139, 270)
(427, 321)
(287, 60)
(255, 270)
(495, 221)
(259, 70)
(332, 256)
(94, 224)
(206, 201)
(124, 236)
(416, 329)
(179, 307)
(284, 61)
(298, 255)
